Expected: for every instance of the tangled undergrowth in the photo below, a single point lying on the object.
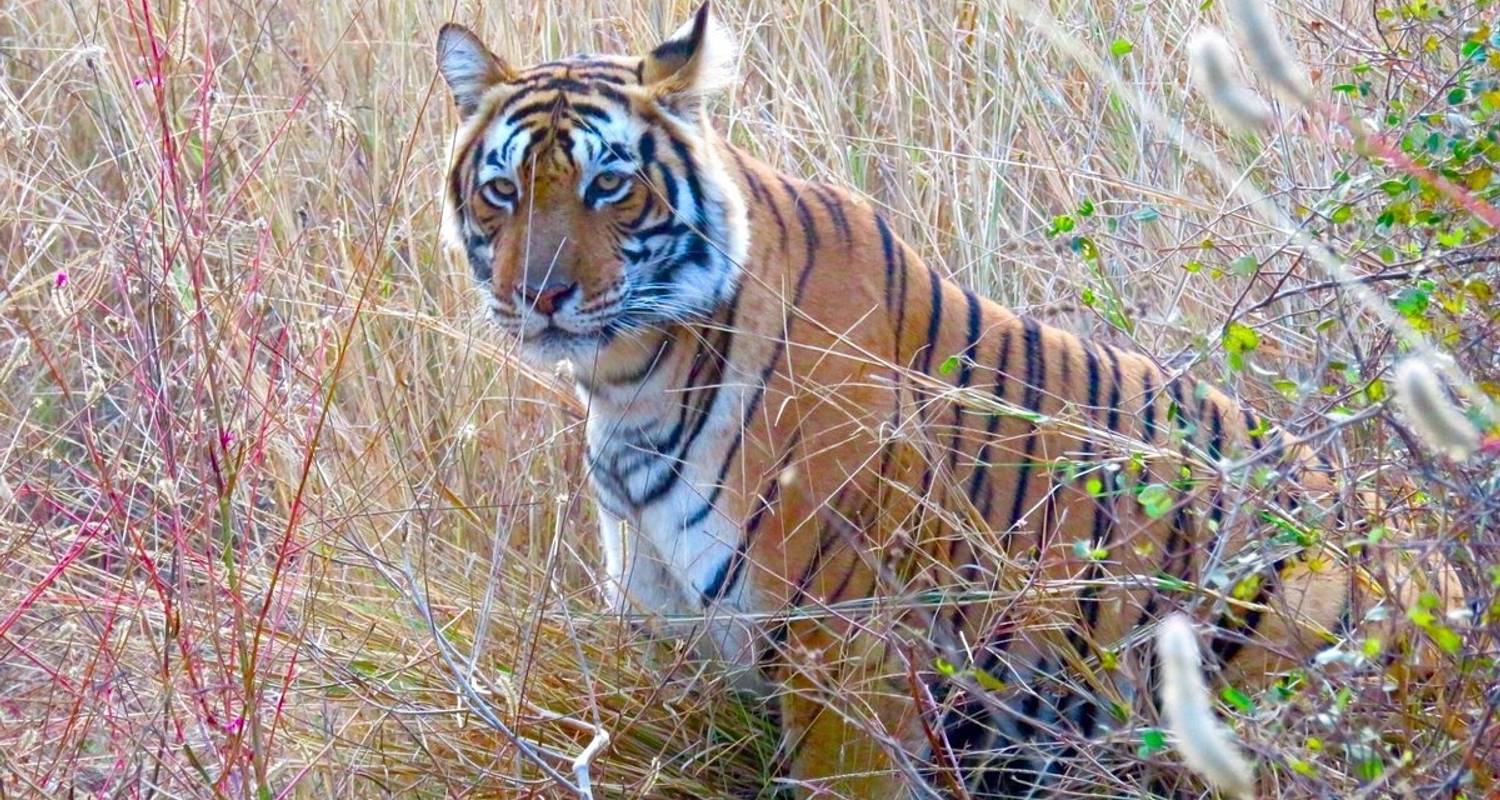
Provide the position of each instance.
(279, 518)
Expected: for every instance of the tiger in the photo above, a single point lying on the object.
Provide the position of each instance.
(936, 532)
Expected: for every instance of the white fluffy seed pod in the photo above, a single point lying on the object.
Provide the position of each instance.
(1434, 419)
(1206, 745)
(1213, 71)
(1268, 51)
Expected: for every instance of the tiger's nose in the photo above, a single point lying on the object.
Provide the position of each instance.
(546, 299)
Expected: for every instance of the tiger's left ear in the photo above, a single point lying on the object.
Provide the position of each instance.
(696, 61)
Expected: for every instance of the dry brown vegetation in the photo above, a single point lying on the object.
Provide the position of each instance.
(279, 516)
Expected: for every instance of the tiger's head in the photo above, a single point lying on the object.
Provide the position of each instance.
(588, 193)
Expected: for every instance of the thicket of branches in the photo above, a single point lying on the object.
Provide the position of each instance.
(280, 517)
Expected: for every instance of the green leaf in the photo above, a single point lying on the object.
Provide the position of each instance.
(1449, 641)
(1370, 768)
(1146, 214)
(1342, 214)
(988, 681)
(1171, 583)
(1239, 339)
(1121, 47)
(1244, 266)
(1087, 209)
(948, 366)
(1062, 223)
(1238, 699)
(1413, 301)
(1086, 550)
(1085, 247)
(1156, 500)
(1452, 238)
(1152, 741)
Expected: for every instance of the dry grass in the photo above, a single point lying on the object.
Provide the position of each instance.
(269, 493)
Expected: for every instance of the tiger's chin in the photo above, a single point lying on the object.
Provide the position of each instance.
(553, 345)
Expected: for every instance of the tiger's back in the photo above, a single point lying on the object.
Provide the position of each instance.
(905, 406)
(1022, 502)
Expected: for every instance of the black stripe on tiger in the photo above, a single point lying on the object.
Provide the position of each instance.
(1180, 534)
(835, 209)
(901, 277)
(1103, 510)
(828, 535)
(982, 475)
(810, 238)
(1032, 401)
(895, 284)
(934, 320)
(934, 327)
(759, 192)
(1252, 429)
(648, 364)
(727, 576)
(966, 360)
(717, 355)
(1148, 413)
(1230, 635)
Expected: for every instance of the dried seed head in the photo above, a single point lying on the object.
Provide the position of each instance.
(1434, 418)
(1268, 50)
(1213, 70)
(1206, 745)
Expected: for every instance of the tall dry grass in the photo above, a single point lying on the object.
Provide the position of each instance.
(280, 517)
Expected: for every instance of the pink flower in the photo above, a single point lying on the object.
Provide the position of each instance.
(62, 278)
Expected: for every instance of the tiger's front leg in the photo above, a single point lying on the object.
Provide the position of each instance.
(636, 582)
(849, 724)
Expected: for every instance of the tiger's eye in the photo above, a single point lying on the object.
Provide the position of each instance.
(608, 182)
(498, 191)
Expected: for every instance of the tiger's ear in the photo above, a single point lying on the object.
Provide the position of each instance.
(468, 66)
(695, 61)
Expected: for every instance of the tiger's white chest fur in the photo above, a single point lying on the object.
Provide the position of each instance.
(656, 462)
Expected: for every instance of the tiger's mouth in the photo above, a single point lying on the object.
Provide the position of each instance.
(554, 334)
(529, 324)
(552, 343)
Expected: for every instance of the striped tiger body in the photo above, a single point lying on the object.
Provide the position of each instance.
(933, 528)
